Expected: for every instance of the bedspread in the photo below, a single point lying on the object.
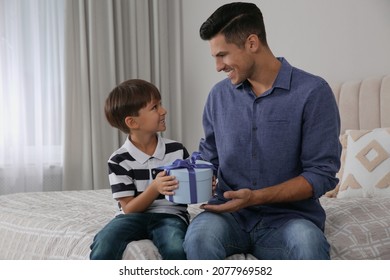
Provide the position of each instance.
(61, 225)
(358, 228)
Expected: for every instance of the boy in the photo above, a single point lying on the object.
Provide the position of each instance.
(135, 108)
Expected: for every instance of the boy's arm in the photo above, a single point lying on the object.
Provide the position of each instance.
(162, 184)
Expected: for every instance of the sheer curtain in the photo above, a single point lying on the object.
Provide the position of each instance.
(59, 61)
(31, 55)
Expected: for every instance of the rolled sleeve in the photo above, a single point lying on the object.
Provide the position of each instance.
(321, 148)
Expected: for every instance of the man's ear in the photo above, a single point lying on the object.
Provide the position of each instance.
(131, 122)
(253, 42)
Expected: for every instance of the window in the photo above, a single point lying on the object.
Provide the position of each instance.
(31, 95)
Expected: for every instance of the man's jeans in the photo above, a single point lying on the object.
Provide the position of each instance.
(165, 230)
(212, 236)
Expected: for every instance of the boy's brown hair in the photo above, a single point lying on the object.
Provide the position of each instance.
(127, 99)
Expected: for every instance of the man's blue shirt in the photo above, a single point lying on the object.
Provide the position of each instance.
(257, 142)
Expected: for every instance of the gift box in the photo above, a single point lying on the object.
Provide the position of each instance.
(195, 180)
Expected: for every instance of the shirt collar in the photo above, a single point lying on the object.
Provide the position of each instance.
(140, 156)
(283, 79)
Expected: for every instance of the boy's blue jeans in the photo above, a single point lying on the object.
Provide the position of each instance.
(165, 230)
(212, 236)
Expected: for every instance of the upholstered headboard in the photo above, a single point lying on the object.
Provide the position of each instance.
(364, 104)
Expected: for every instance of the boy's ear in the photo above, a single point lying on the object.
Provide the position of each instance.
(131, 122)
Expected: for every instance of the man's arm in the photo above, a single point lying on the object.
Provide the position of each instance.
(294, 189)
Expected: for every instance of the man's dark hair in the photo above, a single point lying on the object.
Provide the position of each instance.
(236, 21)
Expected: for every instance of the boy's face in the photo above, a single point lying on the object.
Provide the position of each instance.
(152, 117)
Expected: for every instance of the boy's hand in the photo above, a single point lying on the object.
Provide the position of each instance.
(165, 184)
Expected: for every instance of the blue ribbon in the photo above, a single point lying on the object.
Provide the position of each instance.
(190, 164)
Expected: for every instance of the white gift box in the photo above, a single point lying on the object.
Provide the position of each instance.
(199, 191)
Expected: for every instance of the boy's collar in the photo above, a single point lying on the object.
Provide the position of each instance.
(140, 156)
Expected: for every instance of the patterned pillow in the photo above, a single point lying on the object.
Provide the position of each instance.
(367, 164)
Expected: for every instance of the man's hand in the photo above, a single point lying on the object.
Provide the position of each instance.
(237, 200)
(214, 184)
(295, 189)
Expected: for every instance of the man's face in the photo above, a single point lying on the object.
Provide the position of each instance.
(236, 62)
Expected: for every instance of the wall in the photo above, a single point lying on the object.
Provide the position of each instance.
(339, 40)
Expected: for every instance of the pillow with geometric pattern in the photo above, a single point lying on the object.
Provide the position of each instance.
(367, 164)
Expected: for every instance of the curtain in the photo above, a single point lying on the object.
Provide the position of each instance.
(31, 40)
(108, 42)
(59, 61)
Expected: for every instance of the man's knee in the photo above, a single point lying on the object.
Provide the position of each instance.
(306, 241)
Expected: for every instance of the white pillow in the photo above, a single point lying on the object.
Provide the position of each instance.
(367, 164)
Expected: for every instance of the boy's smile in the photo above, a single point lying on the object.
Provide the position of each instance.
(152, 117)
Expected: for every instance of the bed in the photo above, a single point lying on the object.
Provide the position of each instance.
(61, 225)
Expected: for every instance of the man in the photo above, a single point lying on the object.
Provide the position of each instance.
(272, 130)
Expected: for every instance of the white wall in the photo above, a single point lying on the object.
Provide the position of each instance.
(339, 40)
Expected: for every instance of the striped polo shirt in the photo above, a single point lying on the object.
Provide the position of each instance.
(131, 171)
